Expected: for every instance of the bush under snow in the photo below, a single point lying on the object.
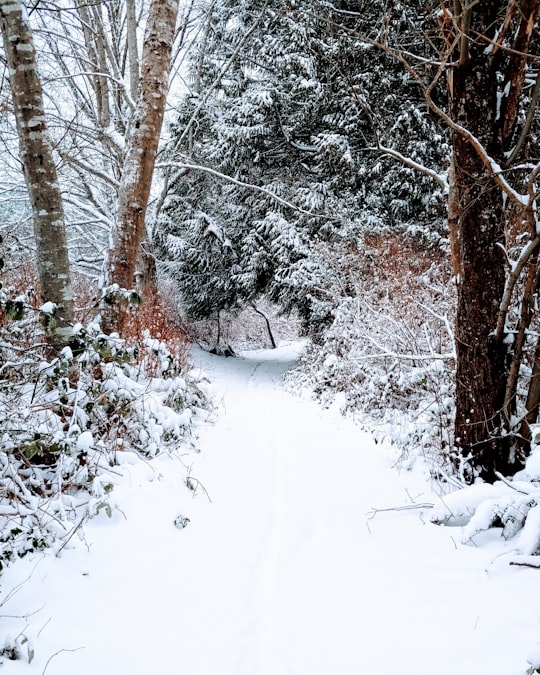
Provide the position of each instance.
(67, 422)
(510, 506)
(389, 361)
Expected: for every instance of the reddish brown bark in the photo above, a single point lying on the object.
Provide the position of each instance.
(484, 383)
(140, 158)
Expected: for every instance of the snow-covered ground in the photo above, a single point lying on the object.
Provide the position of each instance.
(282, 569)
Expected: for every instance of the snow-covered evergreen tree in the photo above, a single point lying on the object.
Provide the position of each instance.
(285, 99)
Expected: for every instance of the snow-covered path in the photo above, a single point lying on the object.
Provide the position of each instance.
(282, 572)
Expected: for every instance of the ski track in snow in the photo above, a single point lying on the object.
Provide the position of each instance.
(283, 572)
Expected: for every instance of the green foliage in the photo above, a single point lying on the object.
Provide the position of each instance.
(113, 294)
(18, 541)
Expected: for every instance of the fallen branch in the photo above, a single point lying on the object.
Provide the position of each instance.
(407, 507)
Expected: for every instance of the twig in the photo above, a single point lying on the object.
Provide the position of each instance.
(509, 484)
(77, 649)
(194, 483)
(21, 616)
(18, 587)
(75, 529)
(407, 507)
(515, 563)
(44, 626)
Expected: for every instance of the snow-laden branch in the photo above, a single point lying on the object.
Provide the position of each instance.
(515, 271)
(407, 161)
(240, 183)
(405, 357)
(95, 216)
(491, 165)
(440, 317)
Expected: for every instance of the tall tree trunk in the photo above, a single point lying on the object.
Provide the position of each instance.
(39, 168)
(453, 218)
(140, 159)
(481, 362)
(146, 276)
(485, 100)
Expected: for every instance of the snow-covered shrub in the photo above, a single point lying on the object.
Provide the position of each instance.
(534, 660)
(388, 356)
(65, 420)
(510, 506)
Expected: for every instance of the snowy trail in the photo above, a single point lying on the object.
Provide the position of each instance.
(282, 573)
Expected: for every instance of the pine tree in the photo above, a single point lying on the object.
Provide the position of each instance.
(300, 111)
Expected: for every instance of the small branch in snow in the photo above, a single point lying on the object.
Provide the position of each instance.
(516, 563)
(77, 649)
(73, 532)
(406, 507)
(194, 484)
(22, 616)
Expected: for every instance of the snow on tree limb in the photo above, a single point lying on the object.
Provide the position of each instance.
(437, 177)
(235, 181)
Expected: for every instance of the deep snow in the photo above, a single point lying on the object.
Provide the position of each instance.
(286, 571)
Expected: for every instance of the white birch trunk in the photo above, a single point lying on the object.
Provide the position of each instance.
(39, 167)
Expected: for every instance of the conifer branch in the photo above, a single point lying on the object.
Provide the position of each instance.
(240, 183)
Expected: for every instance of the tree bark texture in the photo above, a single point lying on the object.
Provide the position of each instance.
(39, 167)
(482, 425)
(139, 163)
(133, 52)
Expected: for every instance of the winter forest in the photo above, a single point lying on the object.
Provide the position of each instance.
(221, 221)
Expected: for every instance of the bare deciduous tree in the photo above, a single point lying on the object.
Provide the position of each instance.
(134, 193)
(39, 166)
